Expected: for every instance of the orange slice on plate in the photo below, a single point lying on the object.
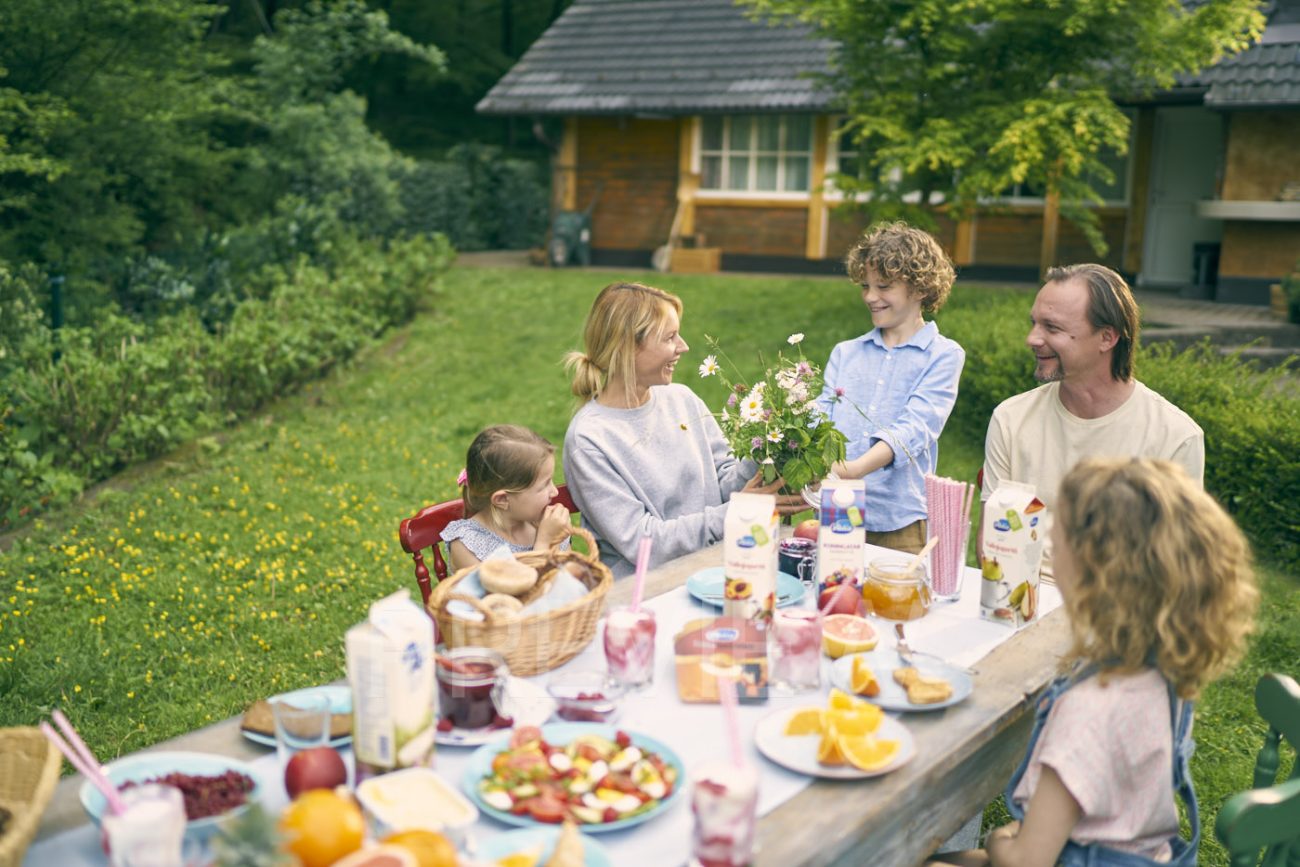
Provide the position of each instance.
(862, 679)
(855, 722)
(526, 858)
(843, 634)
(868, 753)
(828, 751)
(805, 721)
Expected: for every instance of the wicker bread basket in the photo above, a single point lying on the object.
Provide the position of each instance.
(536, 642)
(29, 771)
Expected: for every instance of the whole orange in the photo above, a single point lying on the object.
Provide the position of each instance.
(430, 848)
(321, 827)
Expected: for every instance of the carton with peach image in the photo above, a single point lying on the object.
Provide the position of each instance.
(1014, 532)
(734, 646)
(394, 698)
(750, 535)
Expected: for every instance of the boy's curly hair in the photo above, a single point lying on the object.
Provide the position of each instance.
(903, 252)
(1164, 575)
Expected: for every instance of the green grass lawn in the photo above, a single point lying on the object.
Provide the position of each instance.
(231, 570)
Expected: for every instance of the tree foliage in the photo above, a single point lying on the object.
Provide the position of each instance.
(957, 100)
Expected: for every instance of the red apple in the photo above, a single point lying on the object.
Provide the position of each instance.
(842, 598)
(316, 768)
(808, 529)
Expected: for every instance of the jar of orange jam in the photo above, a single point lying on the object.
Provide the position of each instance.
(893, 593)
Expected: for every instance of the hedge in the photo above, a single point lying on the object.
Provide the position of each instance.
(1251, 418)
(82, 403)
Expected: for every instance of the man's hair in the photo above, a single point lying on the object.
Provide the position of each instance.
(1110, 305)
(897, 251)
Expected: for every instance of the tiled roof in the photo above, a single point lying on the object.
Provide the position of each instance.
(663, 57)
(1267, 74)
(678, 57)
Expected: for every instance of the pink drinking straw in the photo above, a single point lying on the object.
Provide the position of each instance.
(642, 563)
(835, 597)
(89, 769)
(731, 722)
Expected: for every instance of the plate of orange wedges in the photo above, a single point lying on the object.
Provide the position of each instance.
(845, 739)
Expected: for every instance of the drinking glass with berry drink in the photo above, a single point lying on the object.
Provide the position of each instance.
(794, 646)
(724, 803)
(630, 646)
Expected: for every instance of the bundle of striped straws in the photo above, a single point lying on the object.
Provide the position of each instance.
(948, 504)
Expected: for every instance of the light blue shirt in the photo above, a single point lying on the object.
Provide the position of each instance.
(902, 395)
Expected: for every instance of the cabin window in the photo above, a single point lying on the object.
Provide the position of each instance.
(765, 153)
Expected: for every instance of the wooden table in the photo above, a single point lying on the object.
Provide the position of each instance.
(965, 755)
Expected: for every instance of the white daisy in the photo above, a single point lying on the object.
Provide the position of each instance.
(795, 339)
(709, 366)
(775, 436)
(751, 408)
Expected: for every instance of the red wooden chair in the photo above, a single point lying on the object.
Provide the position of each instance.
(424, 530)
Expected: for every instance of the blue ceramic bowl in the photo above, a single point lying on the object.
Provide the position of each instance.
(146, 766)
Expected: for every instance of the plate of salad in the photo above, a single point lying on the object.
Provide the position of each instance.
(601, 777)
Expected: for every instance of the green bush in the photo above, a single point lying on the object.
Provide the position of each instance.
(121, 391)
(1251, 418)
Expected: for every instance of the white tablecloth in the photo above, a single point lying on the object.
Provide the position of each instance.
(950, 630)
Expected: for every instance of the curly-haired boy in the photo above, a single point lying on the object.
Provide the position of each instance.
(891, 390)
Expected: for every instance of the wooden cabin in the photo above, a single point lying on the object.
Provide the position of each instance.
(690, 119)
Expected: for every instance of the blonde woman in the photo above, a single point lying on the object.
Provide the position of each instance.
(643, 455)
(1157, 583)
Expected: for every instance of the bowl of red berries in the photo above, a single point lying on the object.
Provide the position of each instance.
(585, 696)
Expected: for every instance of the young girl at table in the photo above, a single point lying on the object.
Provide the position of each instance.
(507, 489)
(1157, 584)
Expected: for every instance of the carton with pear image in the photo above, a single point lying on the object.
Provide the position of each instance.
(1013, 532)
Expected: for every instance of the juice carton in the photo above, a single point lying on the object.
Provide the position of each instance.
(843, 533)
(394, 698)
(1014, 532)
(711, 647)
(750, 537)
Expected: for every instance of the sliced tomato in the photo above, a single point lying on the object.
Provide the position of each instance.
(546, 809)
(588, 752)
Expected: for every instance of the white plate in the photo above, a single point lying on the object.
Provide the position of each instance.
(884, 660)
(524, 701)
(799, 753)
(340, 699)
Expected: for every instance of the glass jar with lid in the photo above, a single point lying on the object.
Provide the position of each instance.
(894, 593)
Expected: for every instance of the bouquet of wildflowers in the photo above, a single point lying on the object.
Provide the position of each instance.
(776, 421)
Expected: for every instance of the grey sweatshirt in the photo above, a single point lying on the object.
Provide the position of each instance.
(662, 468)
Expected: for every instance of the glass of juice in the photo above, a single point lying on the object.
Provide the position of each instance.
(724, 804)
(794, 648)
(471, 683)
(630, 646)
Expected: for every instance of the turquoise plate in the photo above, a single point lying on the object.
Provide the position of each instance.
(560, 734)
(706, 586)
(510, 842)
(145, 766)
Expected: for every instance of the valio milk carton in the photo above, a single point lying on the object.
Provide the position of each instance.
(843, 533)
(749, 549)
(394, 697)
(1014, 531)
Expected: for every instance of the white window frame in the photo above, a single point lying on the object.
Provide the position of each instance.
(750, 192)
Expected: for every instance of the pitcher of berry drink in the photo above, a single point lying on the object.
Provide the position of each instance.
(630, 646)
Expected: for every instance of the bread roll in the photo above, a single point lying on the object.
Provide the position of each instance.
(506, 576)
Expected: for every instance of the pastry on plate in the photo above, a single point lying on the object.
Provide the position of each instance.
(922, 689)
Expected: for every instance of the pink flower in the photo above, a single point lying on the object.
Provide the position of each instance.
(463, 479)
(839, 392)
